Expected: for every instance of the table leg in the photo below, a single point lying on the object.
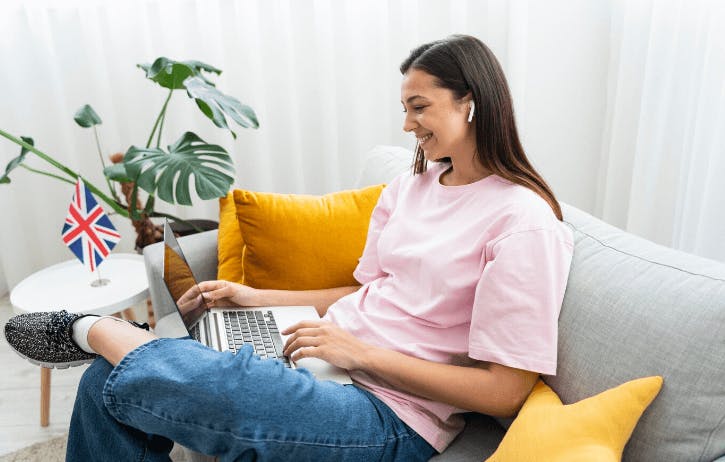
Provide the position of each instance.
(150, 313)
(44, 396)
(128, 314)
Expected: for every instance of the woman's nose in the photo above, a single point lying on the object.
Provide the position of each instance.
(409, 122)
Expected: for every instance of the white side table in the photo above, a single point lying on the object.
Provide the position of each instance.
(67, 286)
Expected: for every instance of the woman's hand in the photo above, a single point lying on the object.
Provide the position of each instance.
(327, 341)
(225, 293)
(191, 305)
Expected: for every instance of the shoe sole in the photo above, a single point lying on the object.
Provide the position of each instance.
(65, 365)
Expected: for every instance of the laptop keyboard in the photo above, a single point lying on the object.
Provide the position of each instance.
(255, 328)
(195, 333)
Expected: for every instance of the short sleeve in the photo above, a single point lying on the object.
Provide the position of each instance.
(518, 299)
(368, 267)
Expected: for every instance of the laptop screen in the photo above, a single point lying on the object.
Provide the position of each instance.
(180, 281)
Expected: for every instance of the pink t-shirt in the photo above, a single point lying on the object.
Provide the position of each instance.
(457, 272)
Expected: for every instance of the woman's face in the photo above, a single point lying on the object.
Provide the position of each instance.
(438, 120)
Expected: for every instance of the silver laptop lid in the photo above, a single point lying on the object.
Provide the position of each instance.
(180, 281)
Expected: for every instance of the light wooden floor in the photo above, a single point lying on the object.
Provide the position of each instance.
(20, 395)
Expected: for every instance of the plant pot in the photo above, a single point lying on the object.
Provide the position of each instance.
(184, 229)
(147, 232)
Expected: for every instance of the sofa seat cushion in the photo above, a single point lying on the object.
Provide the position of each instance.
(478, 440)
(634, 309)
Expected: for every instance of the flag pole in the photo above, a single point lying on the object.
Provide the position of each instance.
(99, 282)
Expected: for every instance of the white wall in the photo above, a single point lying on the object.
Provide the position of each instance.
(3, 283)
(563, 101)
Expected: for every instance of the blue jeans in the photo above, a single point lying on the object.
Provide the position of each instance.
(237, 407)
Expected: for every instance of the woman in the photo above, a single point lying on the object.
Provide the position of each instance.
(462, 279)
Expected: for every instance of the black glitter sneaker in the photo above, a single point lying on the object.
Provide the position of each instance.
(46, 338)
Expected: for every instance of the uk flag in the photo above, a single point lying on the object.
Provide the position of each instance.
(88, 231)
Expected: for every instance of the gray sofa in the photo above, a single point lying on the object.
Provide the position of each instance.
(632, 309)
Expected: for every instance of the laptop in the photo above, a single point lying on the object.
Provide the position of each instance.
(230, 328)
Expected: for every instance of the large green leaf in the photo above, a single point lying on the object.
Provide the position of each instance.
(198, 66)
(86, 117)
(117, 172)
(171, 74)
(215, 105)
(167, 173)
(13, 164)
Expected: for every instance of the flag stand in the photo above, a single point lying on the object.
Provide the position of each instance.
(99, 282)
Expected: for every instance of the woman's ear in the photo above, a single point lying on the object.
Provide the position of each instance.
(467, 102)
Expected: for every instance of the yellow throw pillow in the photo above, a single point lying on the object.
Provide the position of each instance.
(594, 429)
(230, 245)
(293, 242)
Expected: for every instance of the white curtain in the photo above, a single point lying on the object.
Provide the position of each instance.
(663, 153)
(323, 78)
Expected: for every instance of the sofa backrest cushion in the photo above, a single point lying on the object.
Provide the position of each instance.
(383, 163)
(633, 309)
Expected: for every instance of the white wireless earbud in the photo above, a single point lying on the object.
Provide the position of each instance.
(470, 113)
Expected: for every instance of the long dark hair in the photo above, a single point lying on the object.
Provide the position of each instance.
(464, 64)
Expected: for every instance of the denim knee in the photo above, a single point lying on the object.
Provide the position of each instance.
(94, 379)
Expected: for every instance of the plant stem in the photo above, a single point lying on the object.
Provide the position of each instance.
(149, 204)
(40, 154)
(73, 175)
(103, 164)
(133, 211)
(161, 128)
(158, 119)
(40, 172)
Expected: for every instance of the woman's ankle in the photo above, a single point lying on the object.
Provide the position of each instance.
(114, 338)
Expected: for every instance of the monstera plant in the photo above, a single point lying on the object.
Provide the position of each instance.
(163, 173)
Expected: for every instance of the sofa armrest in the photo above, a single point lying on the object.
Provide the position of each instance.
(200, 251)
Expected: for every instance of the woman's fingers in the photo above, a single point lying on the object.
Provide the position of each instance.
(190, 304)
(230, 293)
(302, 343)
(308, 352)
(190, 294)
(206, 286)
(303, 338)
(214, 295)
(302, 324)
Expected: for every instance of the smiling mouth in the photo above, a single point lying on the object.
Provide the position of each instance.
(422, 140)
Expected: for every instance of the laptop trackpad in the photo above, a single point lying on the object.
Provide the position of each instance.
(288, 316)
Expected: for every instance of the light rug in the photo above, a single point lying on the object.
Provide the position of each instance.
(54, 451)
(46, 451)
